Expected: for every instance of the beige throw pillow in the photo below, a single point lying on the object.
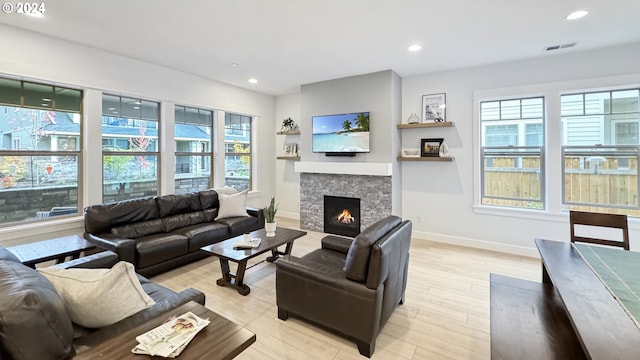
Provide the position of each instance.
(95, 298)
(232, 205)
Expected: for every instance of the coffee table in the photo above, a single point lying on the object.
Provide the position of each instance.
(225, 251)
(221, 339)
(54, 249)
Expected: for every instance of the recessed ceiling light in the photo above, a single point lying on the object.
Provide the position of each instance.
(234, 64)
(577, 15)
(253, 81)
(414, 48)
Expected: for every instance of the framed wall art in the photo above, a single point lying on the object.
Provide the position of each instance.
(291, 149)
(430, 147)
(434, 108)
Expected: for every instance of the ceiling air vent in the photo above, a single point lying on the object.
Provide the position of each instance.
(558, 47)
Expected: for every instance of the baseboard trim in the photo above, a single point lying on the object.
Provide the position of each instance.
(457, 240)
(478, 244)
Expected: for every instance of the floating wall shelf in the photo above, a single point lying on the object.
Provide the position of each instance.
(430, 158)
(425, 125)
(294, 158)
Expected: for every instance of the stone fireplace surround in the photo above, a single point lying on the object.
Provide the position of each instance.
(372, 185)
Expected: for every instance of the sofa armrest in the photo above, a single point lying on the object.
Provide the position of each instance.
(336, 243)
(159, 308)
(125, 248)
(255, 212)
(101, 260)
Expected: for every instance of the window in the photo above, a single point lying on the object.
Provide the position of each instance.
(600, 151)
(512, 171)
(40, 152)
(129, 147)
(237, 145)
(193, 131)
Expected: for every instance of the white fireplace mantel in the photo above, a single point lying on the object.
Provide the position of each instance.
(347, 168)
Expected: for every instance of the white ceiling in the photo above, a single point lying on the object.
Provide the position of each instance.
(287, 43)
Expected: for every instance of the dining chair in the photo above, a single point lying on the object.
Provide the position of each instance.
(601, 220)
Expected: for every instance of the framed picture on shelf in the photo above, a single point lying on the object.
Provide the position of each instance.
(291, 149)
(430, 147)
(434, 108)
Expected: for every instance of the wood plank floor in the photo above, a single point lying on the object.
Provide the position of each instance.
(445, 316)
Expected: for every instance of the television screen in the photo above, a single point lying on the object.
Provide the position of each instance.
(341, 133)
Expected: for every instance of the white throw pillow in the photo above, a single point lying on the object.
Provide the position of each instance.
(95, 298)
(226, 190)
(232, 205)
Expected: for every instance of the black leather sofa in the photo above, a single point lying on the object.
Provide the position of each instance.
(160, 233)
(349, 286)
(34, 323)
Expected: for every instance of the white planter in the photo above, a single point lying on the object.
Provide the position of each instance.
(270, 228)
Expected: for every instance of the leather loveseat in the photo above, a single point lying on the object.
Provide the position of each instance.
(34, 322)
(350, 286)
(160, 233)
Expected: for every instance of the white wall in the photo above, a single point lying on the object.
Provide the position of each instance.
(442, 194)
(369, 92)
(37, 57)
(286, 179)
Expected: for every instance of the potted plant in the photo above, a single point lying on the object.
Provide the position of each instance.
(270, 217)
(289, 125)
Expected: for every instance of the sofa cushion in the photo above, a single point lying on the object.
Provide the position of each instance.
(182, 220)
(95, 298)
(8, 255)
(139, 229)
(101, 218)
(240, 224)
(34, 323)
(178, 204)
(357, 260)
(233, 205)
(156, 248)
(209, 198)
(204, 234)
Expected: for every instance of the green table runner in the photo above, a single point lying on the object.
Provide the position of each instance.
(619, 270)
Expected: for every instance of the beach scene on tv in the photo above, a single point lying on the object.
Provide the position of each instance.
(341, 133)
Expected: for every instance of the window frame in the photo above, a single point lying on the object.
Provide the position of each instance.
(554, 133)
(210, 152)
(250, 136)
(132, 123)
(52, 98)
(513, 151)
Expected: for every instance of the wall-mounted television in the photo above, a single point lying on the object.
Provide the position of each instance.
(340, 134)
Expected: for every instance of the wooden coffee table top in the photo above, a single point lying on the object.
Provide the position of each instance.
(225, 250)
(221, 339)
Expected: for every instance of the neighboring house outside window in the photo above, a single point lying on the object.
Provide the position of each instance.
(512, 170)
(600, 151)
(193, 131)
(40, 150)
(130, 154)
(237, 146)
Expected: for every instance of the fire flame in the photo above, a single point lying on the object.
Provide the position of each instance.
(345, 217)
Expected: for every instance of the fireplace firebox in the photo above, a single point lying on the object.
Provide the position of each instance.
(341, 215)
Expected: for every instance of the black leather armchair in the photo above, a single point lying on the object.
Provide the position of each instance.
(350, 286)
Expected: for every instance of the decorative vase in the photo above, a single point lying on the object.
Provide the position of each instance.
(270, 228)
